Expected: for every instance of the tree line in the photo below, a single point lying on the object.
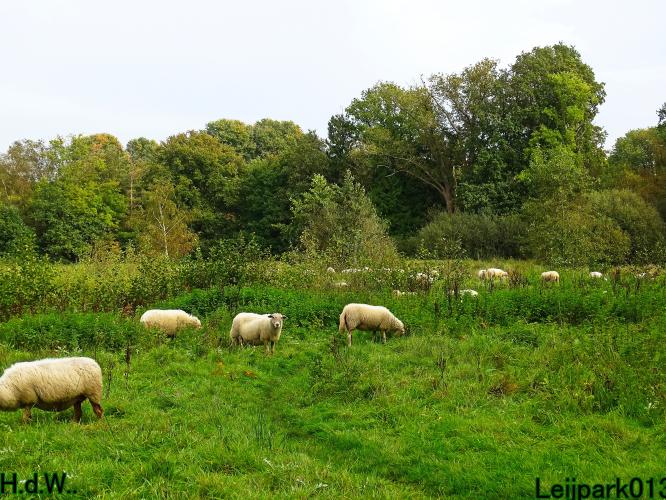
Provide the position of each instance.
(486, 162)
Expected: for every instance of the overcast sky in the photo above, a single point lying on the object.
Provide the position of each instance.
(156, 68)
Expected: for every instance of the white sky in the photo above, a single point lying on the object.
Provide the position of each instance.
(156, 68)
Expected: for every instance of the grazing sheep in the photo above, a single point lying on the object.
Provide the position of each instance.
(493, 273)
(52, 384)
(482, 274)
(466, 291)
(169, 320)
(340, 284)
(252, 328)
(368, 318)
(330, 270)
(548, 276)
(595, 274)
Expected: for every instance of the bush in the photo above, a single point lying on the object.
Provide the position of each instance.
(481, 236)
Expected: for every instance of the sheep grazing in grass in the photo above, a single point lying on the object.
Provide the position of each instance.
(550, 276)
(482, 274)
(596, 275)
(465, 291)
(330, 270)
(493, 273)
(169, 320)
(368, 318)
(52, 384)
(252, 328)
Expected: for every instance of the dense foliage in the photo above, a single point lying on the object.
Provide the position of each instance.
(510, 154)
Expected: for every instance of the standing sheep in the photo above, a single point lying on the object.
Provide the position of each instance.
(169, 320)
(52, 384)
(596, 275)
(550, 276)
(493, 273)
(255, 329)
(368, 318)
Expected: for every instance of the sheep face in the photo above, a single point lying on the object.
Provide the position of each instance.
(197, 323)
(276, 320)
(400, 327)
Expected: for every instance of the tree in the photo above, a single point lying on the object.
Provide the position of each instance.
(555, 173)
(69, 216)
(555, 98)
(165, 228)
(204, 174)
(236, 134)
(23, 165)
(340, 225)
(17, 238)
(273, 136)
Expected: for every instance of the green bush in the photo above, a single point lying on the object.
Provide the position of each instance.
(481, 236)
(70, 331)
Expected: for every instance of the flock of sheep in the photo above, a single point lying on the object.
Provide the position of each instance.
(58, 384)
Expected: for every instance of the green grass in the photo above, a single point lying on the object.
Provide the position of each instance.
(476, 402)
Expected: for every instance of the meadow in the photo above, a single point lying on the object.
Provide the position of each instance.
(480, 397)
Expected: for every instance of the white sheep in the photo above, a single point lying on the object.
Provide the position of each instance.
(52, 384)
(596, 274)
(252, 328)
(482, 274)
(399, 293)
(548, 276)
(368, 318)
(465, 291)
(169, 320)
(494, 272)
(340, 284)
(330, 270)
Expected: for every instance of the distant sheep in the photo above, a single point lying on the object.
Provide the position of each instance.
(169, 320)
(482, 274)
(330, 270)
(340, 284)
(252, 328)
(399, 293)
(466, 291)
(493, 273)
(368, 318)
(52, 384)
(550, 276)
(597, 275)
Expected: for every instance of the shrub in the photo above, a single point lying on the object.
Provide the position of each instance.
(480, 235)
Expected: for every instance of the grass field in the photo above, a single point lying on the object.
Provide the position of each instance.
(478, 400)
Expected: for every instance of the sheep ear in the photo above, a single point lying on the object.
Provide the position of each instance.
(270, 316)
(284, 317)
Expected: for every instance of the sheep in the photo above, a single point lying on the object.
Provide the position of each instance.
(330, 270)
(399, 293)
(169, 320)
(340, 284)
(596, 274)
(368, 318)
(548, 276)
(465, 291)
(496, 273)
(52, 384)
(255, 328)
(482, 274)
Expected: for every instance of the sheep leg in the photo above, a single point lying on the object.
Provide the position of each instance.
(272, 347)
(27, 416)
(97, 408)
(349, 339)
(77, 412)
(268, 349)
(383, 336)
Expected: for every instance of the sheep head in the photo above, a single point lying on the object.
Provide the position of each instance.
(276, 320)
